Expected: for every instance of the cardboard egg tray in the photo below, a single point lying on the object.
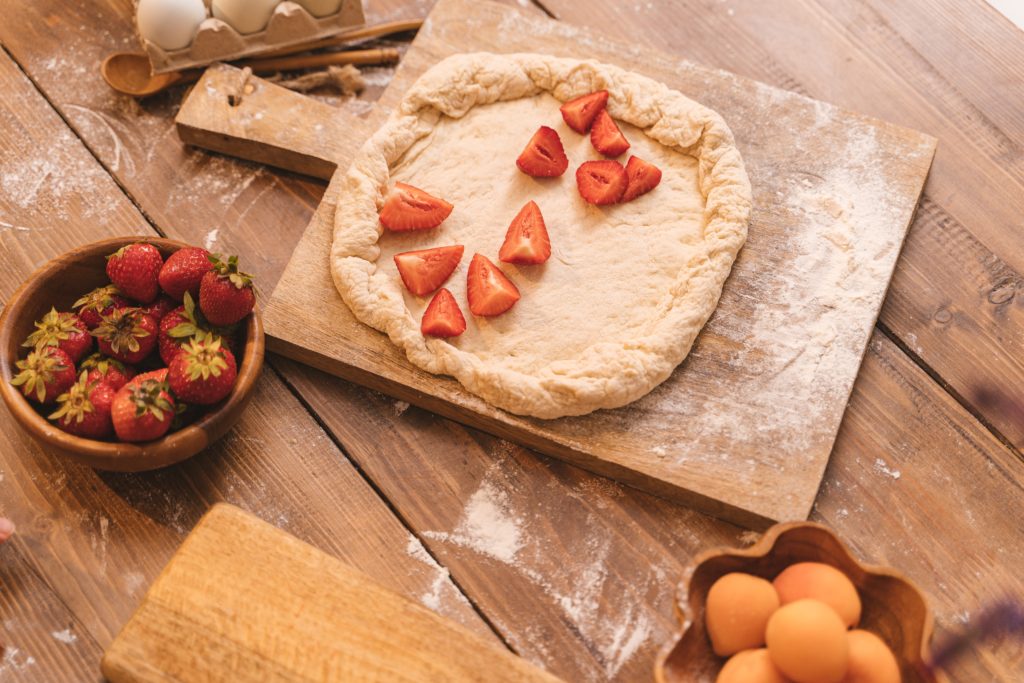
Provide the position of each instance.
(216, 41)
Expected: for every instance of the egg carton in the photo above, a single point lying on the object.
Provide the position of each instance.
(290, 24)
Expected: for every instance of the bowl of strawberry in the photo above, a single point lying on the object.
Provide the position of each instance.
(131, 354)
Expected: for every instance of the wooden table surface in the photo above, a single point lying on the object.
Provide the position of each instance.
(569, 570)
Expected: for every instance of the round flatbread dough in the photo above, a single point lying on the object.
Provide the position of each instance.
(627, 288)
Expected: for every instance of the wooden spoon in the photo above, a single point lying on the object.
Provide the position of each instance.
(129, 73)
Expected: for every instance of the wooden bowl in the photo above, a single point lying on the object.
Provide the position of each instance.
(59, 283)
(893, 607)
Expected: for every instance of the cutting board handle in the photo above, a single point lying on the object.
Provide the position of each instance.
(233, 112)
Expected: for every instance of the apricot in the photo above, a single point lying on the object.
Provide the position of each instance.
(737, 610)
(821, 582)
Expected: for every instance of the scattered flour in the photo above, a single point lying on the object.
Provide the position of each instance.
(65, 636)
(435, 598)
(486, 526)
(211, 239)
(610, 615)
(400, 407)
(880, 466)
(15, 660)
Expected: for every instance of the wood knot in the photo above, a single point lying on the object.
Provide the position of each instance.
(1002, 293)
(943, 316)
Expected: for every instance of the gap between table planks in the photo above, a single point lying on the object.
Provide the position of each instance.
(758, 373)
(895, 412)
(88, 542)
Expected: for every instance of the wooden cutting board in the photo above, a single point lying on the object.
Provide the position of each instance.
(242, 600)
(744, 427)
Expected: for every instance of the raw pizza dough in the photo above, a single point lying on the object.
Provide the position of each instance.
(628, 287)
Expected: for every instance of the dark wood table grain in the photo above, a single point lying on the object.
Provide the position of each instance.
(926, 474)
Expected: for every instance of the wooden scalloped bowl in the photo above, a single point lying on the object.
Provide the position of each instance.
(59, 283)
(893, 607)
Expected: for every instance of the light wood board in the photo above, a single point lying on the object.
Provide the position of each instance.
(244, 601)
(744, 427)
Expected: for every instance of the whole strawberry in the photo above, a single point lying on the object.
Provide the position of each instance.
(45, 374)
(142, 411)
(134, 269)
(127, 335)
(203, 372)
(226, 294)
(178, 327)
(160, 375)
(160, 307)
(63, 330)
(84, 409)
(107, 370)
(183, 272)
(97, 303)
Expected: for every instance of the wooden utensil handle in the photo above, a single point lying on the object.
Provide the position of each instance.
(387, 55)
(375, 31)
(268, 124)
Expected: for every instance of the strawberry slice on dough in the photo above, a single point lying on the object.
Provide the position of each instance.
(642, 178)
(526, 242)
(579, 114)
(601, 182)
(425, 270)
(488, 290)
(606, 136)
(544, 156)
(443, 317)
(410, 208)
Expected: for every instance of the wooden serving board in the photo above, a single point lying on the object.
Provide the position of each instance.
(242, 600)
(744, 427)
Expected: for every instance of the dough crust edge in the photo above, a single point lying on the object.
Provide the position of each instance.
(606, 375)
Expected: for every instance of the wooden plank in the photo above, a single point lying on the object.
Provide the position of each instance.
(914, 482)
(757, 363)
(316, 619)
(955, 298)
(98, 539)
(564, 505)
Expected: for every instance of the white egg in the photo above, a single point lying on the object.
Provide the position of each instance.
(245, 16)
(320, 8)
(170, 24)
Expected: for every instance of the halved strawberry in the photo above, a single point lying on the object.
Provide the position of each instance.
(601, 182)
(488, 290)
(642, 176)
(410, 208)
(526, 241)
(425, 270)
(443, 317)
(579, 114)
(606, 136)
(544, 156)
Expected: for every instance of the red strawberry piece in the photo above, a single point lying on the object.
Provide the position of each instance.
(606, 136)
(177, 327)
(127, 335)
(84, 409)
(46, 374)
(183, 271)
(159, 308)
(488, 290)
(63, 330)
(226, 294)
(203, 372)
(601, 182)
(106, 370)
(425, 270)
(410, 208)
(443, 318)
(527, 241)
(642, 178)
(579, 114)
(143, 410)
(158, 375)
(134, 269)
(97, 303)
(544, 156)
